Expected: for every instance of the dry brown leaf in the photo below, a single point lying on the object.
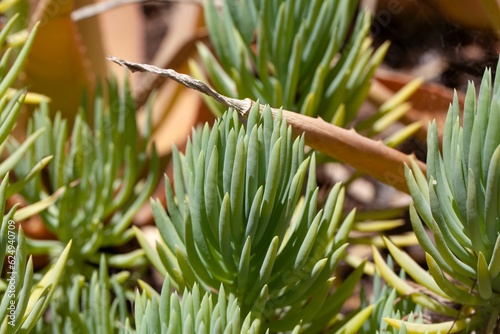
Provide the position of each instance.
(476, 14)
(119, 30)
(67, 58)
(56, 65)
(369, 156)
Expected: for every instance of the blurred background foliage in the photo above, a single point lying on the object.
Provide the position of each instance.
(251, 230)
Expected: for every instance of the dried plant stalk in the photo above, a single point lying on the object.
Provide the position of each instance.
(369, 156)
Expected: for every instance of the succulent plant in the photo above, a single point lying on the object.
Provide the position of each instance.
(458, 203)
(107, 174)
(238, 218)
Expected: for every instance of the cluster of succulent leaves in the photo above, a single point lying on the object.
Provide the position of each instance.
(288, 61)
(11, 102)
(102, 171)
(194, 312)
(98, 185)
(458, 203)
(312, 57)
(388, 303)
(98, 305)
(24, 298)
(238, 219)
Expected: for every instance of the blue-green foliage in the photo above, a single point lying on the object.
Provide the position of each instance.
(100, 305)
(459, 202)
(389, 304)
(238, 218)
(105, 171)
(193, 312)
(297, 54)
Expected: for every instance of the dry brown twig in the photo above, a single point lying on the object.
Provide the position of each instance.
(94, 9)
(369, 156)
